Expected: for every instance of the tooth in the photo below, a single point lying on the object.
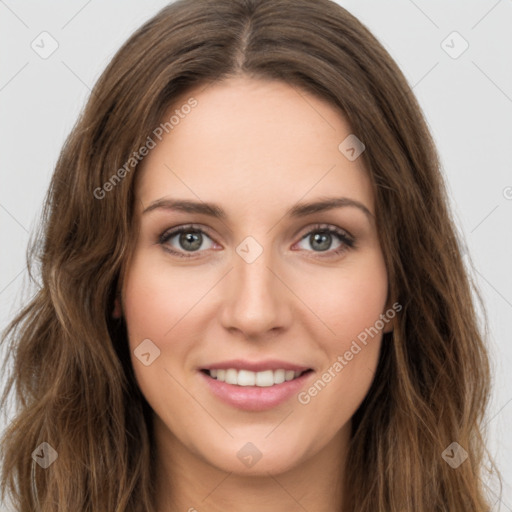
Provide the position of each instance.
(231, 376)
(279, 376)
(246, 378)
(265, 378)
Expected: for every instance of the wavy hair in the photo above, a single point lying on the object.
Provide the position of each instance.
(71, 373)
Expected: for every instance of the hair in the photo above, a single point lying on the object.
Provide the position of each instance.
(71, 372)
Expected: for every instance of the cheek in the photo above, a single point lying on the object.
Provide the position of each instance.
(153, 303)
(350, 305)
(157, 297)
(348, 299)
(156, 300)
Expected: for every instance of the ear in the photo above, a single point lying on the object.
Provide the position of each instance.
(389, 315)
(117, 311)
(389, 324)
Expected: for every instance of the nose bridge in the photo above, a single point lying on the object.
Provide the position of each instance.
(255, 301)
(254, 279)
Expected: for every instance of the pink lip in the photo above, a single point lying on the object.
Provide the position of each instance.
(256, 366)
(254, 398)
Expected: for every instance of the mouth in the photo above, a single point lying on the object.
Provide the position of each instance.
(262, 379)
(254, 387)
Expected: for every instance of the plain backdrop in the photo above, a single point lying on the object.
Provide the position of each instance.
(465, 93)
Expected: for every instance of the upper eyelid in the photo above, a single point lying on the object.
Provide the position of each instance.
(319, 226)
(190, 227)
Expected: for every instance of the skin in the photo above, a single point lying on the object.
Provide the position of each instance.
(255, 148)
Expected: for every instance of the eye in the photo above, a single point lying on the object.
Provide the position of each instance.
(188, 238)
(321, 237)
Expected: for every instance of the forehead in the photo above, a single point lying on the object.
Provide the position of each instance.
(249, 143)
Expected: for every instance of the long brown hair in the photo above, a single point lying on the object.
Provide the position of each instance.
(71, 371)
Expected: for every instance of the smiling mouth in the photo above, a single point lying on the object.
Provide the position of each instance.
(262, 379)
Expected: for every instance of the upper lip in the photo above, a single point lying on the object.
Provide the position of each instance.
(256, 366)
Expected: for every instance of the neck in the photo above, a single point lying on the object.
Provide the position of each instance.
(186, 482)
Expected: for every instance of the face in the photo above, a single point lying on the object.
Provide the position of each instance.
(257, 288)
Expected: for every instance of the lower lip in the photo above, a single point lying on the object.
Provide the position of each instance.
(255, 398)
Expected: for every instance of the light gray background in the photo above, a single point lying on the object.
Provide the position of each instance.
(467, 102)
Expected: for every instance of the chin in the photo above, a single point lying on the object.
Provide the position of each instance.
(256, 455)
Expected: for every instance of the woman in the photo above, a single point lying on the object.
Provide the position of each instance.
(191, 347)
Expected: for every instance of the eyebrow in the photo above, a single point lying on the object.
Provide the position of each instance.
(299, 210)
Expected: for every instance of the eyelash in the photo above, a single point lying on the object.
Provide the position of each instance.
(347, 241)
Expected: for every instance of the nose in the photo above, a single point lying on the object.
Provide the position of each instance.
(257, 302)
